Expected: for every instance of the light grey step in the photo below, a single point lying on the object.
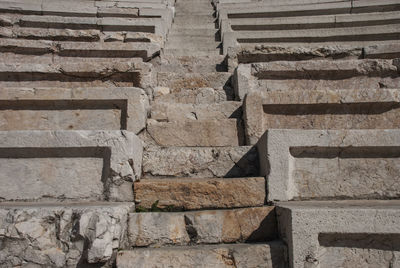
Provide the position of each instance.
(33, 232)
(177, 81)
(191, 64)
(195, 26)
(200, 193)
(38, 165)
(164, 111)
(191, 32)
(218, 256)
(193, 45)
(195, 162)
(223, 132)
(341, 233)
(196, 96)
(191, 52)
(155, 229)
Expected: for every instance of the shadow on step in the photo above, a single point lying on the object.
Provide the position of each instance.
(247, 166)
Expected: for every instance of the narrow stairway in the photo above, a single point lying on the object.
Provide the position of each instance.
(201, 201)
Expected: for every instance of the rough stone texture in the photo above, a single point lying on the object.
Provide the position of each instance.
(67, 235)
(72, 74)
(321, 109)
(204, 227)
(341, 233)
(177, 81)
(313, 75)
(195, 133)
(164, 111)
(77, 165)
(353, 164)
(201, 162)
(196, 96)
(240, 255)
(73, 108)
(199, 193)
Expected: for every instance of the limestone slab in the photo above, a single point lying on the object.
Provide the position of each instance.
(164, 111)
(72, 74)
(200, 193)
(69, 165)
(62, 235)
(314, 75)
(219, 256)
(203, 162)
(222, 132)
(177, 81)
(341, 233)
(73, 109)
(320, 109)
(330, 164)
(204, 227)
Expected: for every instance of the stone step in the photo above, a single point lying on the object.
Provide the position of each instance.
(195, 46)
(200, 193)
(164, 111)
(72, 74)
(89, 233)
(191, 39)
(44, 155)
(320, 74)
(340, 233)
(140, 24)
(50, 34)
(178, 81)
(191, 52)
(204, 162)
(73, 108)
(194, 27)
(322, 109)
(303, 51)
(315, 22)
(366, 33)
(197, 32)
(193, 64)
(194, 96)
(223, 132)
(156, 229)
(81, 49)
(218, 256)
(194, 19)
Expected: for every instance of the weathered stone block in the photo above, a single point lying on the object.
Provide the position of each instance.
(341, 233)
(203, 227)
(203, 162)
(331, 164)
(72, 165)
(199, 193)
(195, 133)
(317, 75)
(321, 109)
(64, 235)
(73, 109)
(219, 256)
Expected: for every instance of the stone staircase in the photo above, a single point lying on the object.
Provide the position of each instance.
(201, 188)
(224, 133)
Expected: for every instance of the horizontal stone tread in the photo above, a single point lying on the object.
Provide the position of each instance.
(153, 229)
(200, 193)
(219, 256)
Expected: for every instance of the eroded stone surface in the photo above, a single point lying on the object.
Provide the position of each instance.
(195, 133)
(197, 193)
(77, 165)
(203, 227)
(200, 161)
(61, 236)
(240, 255)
